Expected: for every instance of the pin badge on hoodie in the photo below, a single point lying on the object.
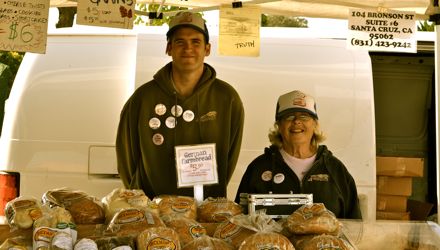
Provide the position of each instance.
(176, 110)
(170, 122)
(154, 123)
(158, 139)
(266, 175)
(188, 115)
(278, 178)
(160, 109)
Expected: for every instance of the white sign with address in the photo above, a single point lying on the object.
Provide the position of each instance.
(196, 165)
(382, 30)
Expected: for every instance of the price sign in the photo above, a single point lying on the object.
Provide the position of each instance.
(105, 13)
(196, 165)
(23, 25)
(382, 31)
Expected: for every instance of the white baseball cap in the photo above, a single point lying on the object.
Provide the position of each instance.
(295, 101)
(188, 19)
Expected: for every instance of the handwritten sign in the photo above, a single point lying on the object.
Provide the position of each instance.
(382, 31)
(106, 13)
(196, 165)
(23, 25)
(239, 32)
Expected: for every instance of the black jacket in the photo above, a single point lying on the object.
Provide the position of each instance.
(328, 180)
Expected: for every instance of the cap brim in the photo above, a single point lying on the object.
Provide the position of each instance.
(170, 31)
(293, 110)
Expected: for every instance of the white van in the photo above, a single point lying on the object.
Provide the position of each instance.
(63, 111)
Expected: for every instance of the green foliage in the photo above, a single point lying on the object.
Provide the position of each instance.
(13, 60)
(154, 8)
(282, 21)
(425, 26)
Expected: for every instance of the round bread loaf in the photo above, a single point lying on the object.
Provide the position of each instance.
(324, 241)
(187, 229)
(266, 240)
(208, 243)
(174, 204)
(131, 221)
(158, 238)
(312, 219)
(217, 210)
(232, 233)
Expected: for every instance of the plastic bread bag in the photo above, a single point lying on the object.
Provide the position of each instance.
(16, 243)
(176, 205)
(21, 212)
(85, 244)
(131, 221)
(54, 230)
(207, 242)
(158, 238)
(323, 241)
(121, 198)
(312, 219)
(214, 210)
(266, 232)
(187, 229)
(85, 209)
(116, 242)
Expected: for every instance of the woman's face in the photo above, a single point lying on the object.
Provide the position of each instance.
(297, 128)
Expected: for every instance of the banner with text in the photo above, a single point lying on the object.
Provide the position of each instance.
(239, 32)
(106, 13)
(23, 25)
(382, 30)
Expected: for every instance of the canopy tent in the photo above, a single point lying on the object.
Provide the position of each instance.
(338, 9)
(300, 8)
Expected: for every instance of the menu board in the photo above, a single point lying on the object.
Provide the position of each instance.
(23, 25)
(106, 13)
(382, 30)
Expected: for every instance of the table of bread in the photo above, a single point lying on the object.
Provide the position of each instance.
(66, 219)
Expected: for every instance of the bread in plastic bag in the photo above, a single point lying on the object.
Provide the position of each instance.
(187, 229)
(266, 240)
(175, 204)
(206, 242)
(121, 198)
(158, 238)
(22, 212)
(214, 210)
(312, 219)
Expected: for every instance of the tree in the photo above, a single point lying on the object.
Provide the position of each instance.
(282, 21)
(154, 8)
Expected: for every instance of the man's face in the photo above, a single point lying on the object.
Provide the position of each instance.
(188, 49)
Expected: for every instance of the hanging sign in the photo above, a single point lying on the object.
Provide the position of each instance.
(239, 32)
(106, 13)
(382, 30)
(23, 25)
(196, 165)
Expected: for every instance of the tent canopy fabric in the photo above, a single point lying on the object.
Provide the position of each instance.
(298, 8)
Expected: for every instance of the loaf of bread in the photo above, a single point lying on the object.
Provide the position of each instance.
(206, 242)
(312, 219)
(174, 204)
(217, 210)
(266, 240)
(324, 241)
(187, 229)
(21, 212)
(113, 242)
(121, 198)
(232, 233)
(158, 238)
(85, 209)
(131, 221)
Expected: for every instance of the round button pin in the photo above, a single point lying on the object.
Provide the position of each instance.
(158, 139)
(154, 123)
(278, 178)
(266, 175)
(176, 110)
(188, 115)
(160, 109)
(170, 122)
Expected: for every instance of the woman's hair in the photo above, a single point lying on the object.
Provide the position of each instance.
(276, 139)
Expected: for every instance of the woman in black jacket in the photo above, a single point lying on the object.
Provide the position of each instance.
(296, 163)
